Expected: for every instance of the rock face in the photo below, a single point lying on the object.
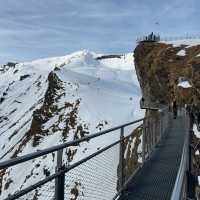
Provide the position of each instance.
(171, 71)
(161, 67)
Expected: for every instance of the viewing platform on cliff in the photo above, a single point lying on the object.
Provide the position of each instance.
(149, 38)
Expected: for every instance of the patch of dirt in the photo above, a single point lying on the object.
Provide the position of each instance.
(70, 154)
(7, 184)
(75, 191)
(108, 56)
(2, 173)
(24, 77)
(101, 125)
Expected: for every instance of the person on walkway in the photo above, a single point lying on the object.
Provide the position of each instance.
(142, 102)
(175, 109)
(198, 119)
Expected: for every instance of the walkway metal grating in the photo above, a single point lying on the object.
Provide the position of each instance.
(155, 181)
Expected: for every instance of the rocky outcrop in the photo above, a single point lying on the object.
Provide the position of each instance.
(108, 56)
(160, 67)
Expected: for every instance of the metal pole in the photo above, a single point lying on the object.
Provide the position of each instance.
(161, 125)
(154, 133)
(160, 128)
(151, 131)
(148, 136)
(60, 181)
(143, 140)
(121, 178)
(190, 156)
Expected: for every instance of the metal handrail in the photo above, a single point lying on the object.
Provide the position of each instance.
(63, 171)
(150, 139)
(140, 39)
(27, 157)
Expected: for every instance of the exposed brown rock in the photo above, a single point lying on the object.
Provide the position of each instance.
(132, 155)
(2, 173)
(159, 69)
(75, 191)
(42, 115)
(24, 77)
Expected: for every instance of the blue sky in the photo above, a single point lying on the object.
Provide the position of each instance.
(31, 29)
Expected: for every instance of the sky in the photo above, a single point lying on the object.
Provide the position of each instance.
(31, 29)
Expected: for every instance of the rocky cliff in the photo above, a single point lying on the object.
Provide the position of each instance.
(169, 71)
(162, 69)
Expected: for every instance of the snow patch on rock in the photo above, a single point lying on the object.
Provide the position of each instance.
(196, 132)
(181, 53)
(184, 84)
(187, 42)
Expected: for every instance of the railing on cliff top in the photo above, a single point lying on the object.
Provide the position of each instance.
(157, 38)
(101, 175)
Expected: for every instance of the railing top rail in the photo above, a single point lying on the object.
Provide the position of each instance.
(167, 38)
(27, 157)
(62, 171)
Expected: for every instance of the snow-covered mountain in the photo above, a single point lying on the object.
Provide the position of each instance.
(50, 101)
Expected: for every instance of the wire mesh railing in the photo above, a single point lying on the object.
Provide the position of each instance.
(96, 178)
(46, 191)
(101, 175)
(167, 38)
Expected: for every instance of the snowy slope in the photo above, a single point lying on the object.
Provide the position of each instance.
(50, 101)
(187, 42)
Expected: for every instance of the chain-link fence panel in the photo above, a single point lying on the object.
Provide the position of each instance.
(97, 178)
(45, 192)
(132, 152)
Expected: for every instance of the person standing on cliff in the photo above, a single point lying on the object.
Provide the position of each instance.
(175, 109)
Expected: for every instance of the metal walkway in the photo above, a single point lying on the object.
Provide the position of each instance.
(155, 181)
(97, 175)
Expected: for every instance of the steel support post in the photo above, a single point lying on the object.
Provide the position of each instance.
(143, 140)
(121, 152)
(148, 137)
(60, 181)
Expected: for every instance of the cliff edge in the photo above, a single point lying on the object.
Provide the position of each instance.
(167, 71)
